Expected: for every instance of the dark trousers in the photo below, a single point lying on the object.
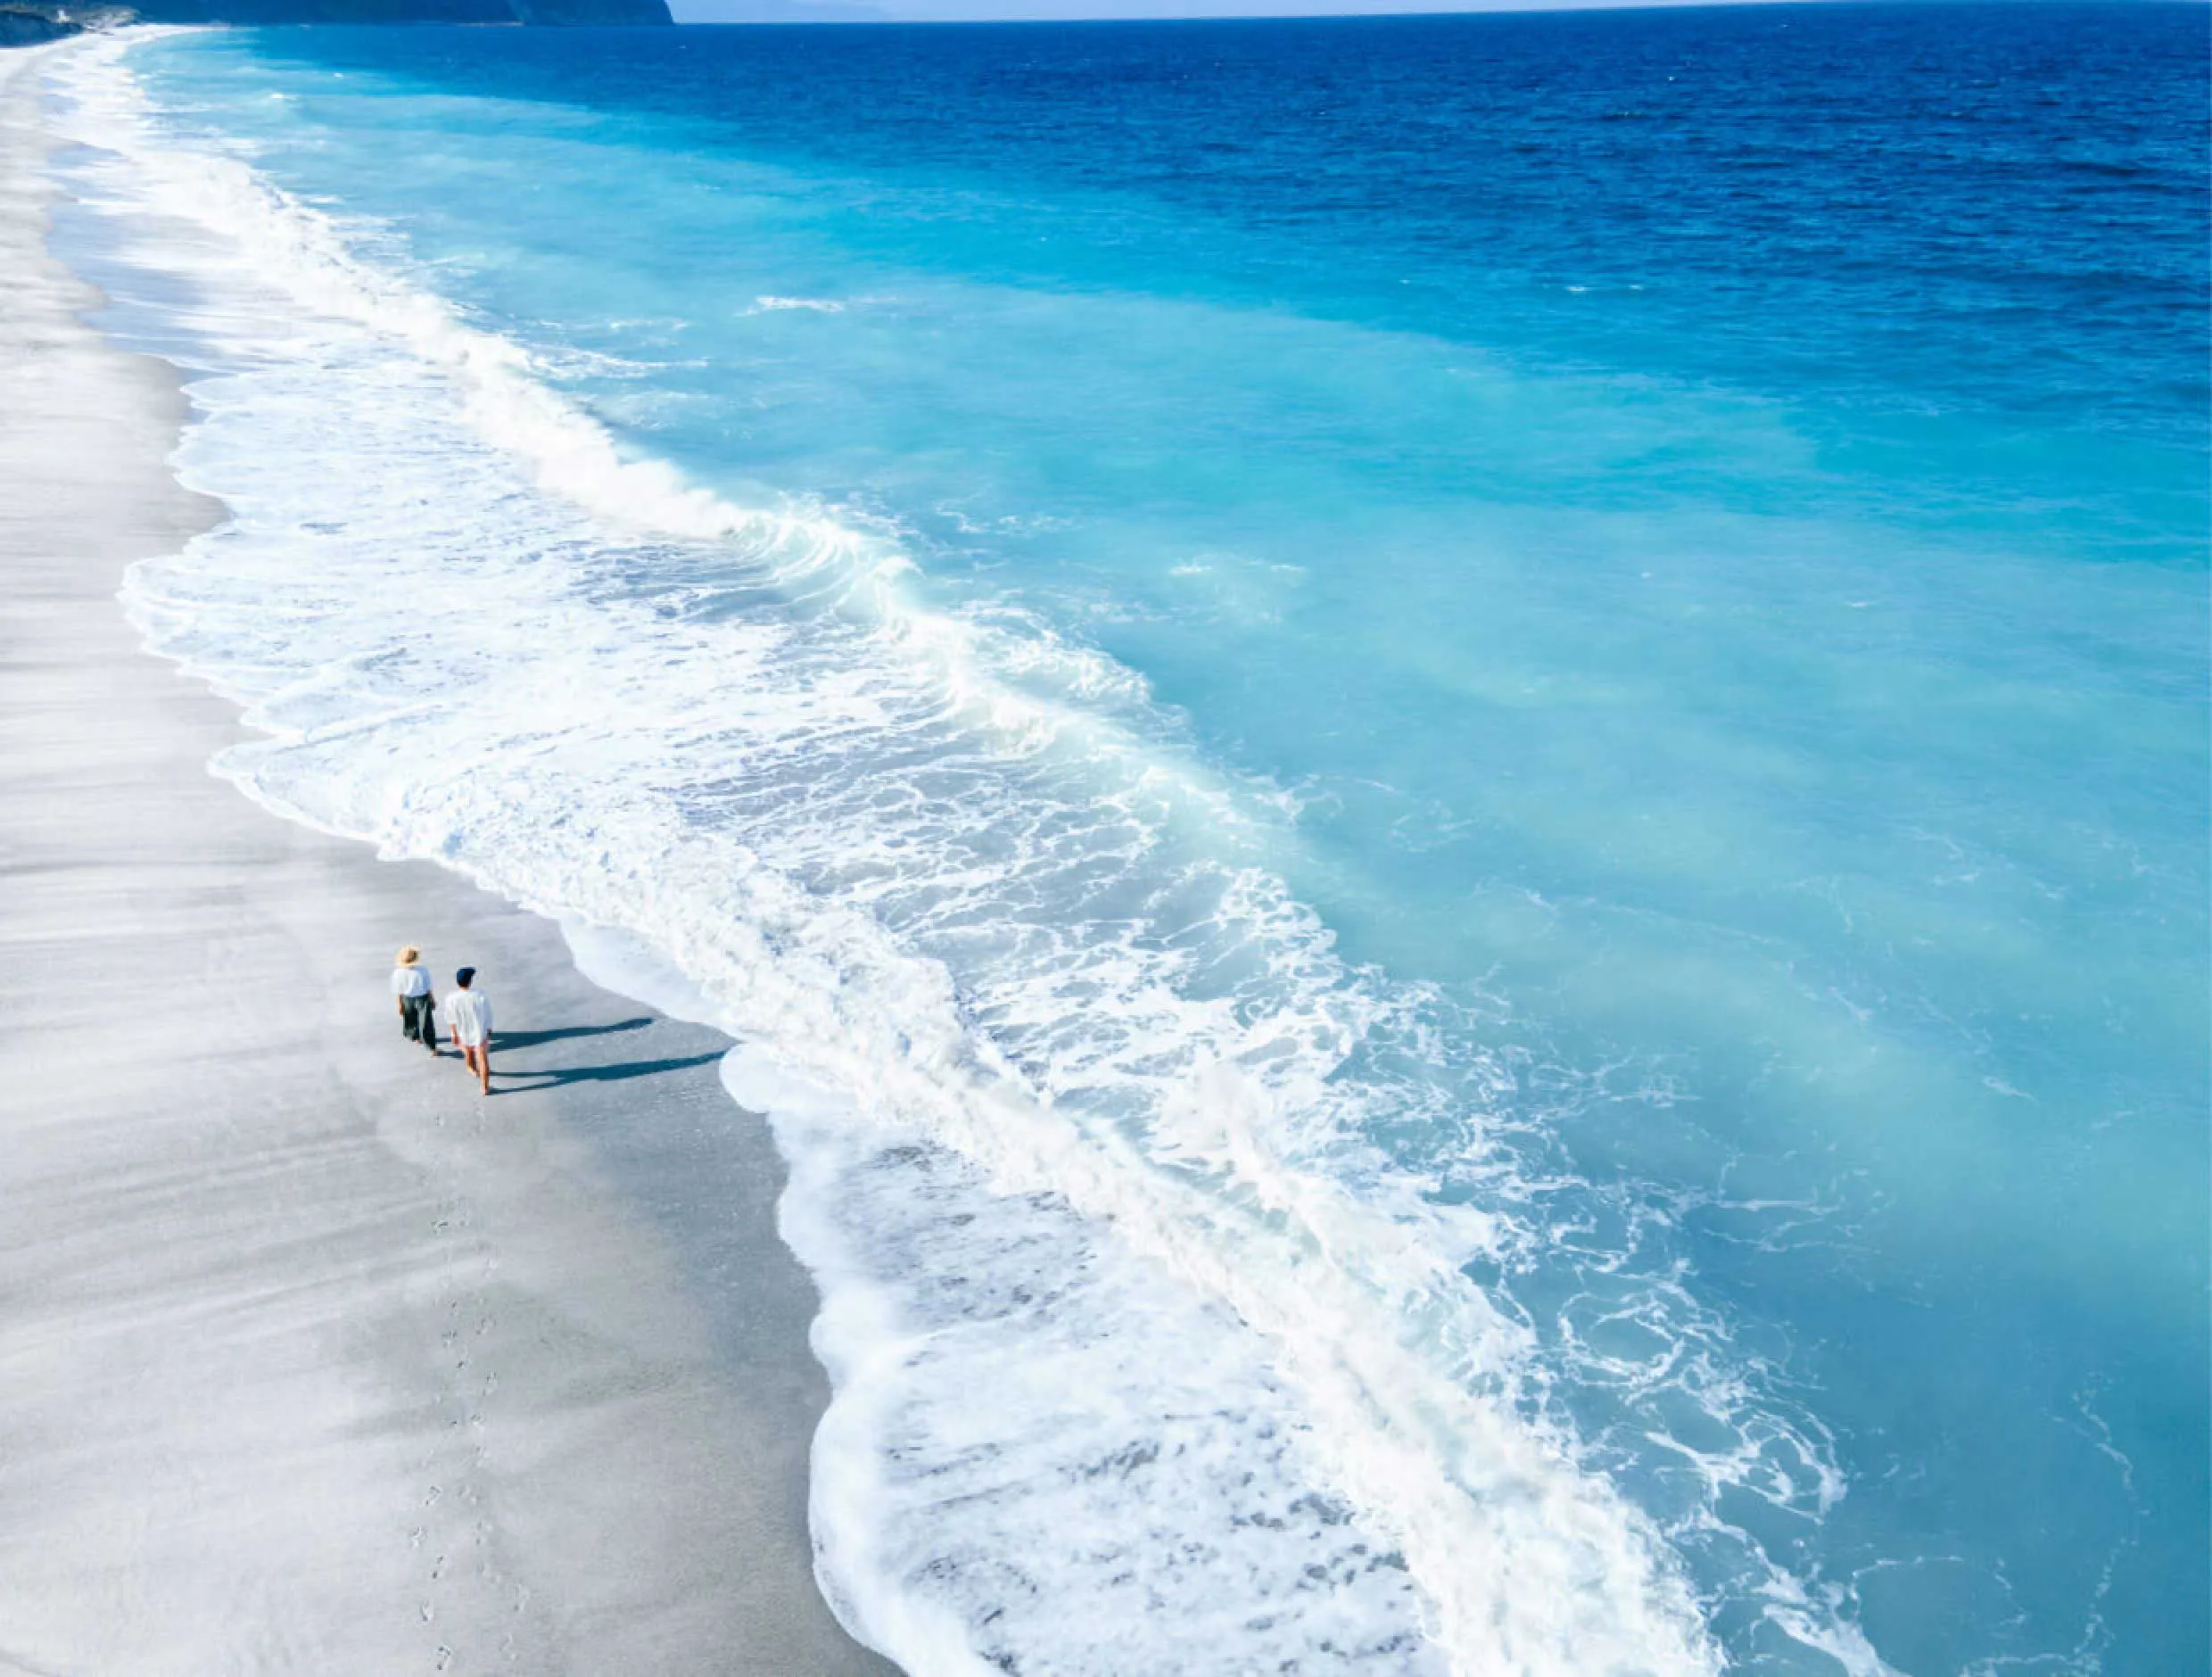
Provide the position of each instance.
(419, 1019)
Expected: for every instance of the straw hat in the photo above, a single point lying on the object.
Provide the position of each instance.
(409, 956)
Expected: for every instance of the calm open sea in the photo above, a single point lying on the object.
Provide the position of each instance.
(1450, 777)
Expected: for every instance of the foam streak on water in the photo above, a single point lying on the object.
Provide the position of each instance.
(1137, 1347)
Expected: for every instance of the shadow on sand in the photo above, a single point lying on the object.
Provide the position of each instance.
(506, 1040)
(520, 1081)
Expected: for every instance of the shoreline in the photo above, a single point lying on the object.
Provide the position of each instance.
(311, 1358)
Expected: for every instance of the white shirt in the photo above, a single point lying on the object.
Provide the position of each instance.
(469, 1012)
(410, 981)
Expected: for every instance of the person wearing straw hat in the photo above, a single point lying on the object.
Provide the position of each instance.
(418, 1008)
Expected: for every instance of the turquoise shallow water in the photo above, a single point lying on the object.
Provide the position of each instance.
(1589, 630)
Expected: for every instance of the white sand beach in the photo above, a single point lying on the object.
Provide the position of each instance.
(312, 1359)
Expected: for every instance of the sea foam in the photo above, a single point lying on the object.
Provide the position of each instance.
(1138, 1346)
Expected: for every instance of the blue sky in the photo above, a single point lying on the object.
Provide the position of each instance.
(1007, 11)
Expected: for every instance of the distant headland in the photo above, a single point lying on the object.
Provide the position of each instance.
(27, 22)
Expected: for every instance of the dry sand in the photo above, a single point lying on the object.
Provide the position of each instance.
(311, 1358)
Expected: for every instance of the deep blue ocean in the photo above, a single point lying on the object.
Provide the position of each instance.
(1449, 776)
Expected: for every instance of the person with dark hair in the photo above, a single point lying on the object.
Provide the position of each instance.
(469, 1016)
(418, 1017)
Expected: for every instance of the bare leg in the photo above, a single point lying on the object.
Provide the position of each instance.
(480, 1062)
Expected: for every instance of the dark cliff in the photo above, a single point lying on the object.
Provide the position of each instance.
(29, 22)
(25, 21)
(26, 28)
(403, 11)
